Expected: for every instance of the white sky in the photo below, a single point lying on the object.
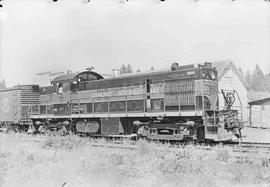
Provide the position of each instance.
(39, 36)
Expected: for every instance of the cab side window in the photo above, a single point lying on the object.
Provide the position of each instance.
(73, 87)
(63, 87)
(66, 87)
(60, 88)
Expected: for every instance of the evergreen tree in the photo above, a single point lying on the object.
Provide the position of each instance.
(3, 84)
(125, 69)
(258, 72)
(138, 70)
(241, 71)
(257, 77)
(152, 68)
(129, 68)
(248, 77)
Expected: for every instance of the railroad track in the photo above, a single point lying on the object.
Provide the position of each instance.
(255, 145)
(238, 153)
(243, 152)
(235, 147)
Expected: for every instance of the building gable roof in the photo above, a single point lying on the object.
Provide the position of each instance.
(259, 102)
(224, 66)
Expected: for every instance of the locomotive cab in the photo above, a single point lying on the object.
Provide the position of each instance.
(59, 101)
(73, 82)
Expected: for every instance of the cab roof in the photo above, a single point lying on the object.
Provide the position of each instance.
(73, 76)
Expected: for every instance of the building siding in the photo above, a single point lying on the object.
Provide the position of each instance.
(260, 115)
(230, 81)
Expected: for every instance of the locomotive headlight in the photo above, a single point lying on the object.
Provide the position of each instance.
(212, 75)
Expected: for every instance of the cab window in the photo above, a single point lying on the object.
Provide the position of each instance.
(82, 78)
(66, 87)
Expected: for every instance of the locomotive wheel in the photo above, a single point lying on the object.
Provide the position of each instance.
(188, 140)
(73, 128)
(142, 138)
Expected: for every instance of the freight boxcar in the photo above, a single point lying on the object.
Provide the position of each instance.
(15, 103)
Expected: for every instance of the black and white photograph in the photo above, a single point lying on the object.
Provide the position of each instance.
(134, 93)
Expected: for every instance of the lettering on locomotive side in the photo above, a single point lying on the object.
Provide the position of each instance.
(191, 73)
(181, 74)
(125, 91)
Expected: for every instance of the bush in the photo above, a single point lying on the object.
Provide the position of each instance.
(143, 147)
(66, 143)
(223, 155)
(72, 161)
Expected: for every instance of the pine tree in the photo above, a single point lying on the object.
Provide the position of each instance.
(257, 77)
(258, 72)
(129, 68)
(3, 84)
(125, 69)
(152, 68)
(241, 71)
(248, 77)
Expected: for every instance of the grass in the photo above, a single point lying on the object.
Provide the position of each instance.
(72, 161)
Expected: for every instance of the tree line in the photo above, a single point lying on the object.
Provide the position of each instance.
(128, 69)
(255, 77)
(3, 84)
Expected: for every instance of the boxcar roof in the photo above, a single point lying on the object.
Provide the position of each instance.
(18, 87)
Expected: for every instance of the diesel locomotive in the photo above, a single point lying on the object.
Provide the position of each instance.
(177, 104)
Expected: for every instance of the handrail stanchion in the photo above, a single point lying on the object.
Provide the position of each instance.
(179, 107)
(126, 103)
(93, 107)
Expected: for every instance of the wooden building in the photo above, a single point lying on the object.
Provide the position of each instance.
(260, 113)
(230, 78)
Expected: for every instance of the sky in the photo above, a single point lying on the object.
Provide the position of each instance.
(39, 35)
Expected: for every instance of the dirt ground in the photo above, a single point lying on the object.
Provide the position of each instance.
(256, 135)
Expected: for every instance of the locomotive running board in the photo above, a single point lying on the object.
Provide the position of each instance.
(135, 114)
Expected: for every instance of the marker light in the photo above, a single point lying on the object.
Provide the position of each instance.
(212, 75)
